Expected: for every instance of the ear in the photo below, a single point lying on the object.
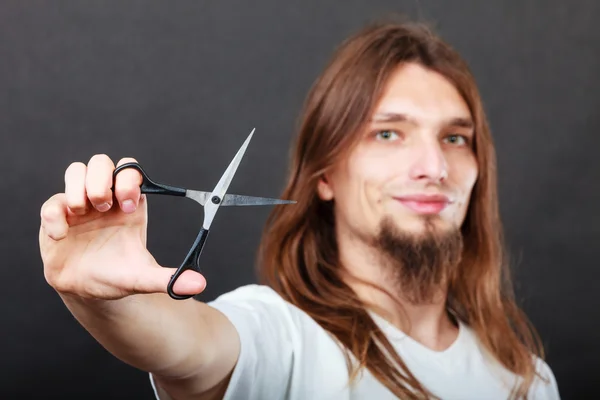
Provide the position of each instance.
(324, 189)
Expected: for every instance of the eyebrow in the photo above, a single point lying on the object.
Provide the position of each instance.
(397, 117)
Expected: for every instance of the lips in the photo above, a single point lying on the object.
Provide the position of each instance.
(425, 203)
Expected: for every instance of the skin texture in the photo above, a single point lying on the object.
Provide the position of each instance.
(418, 142)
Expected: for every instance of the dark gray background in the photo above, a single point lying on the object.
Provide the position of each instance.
(179, 85)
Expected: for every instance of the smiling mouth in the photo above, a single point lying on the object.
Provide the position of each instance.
(425, 204)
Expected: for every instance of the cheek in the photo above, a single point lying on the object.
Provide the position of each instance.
(467, 174)
(471, 175)
(363, 166)
(376, 166)
(364, 177)
(464, 170)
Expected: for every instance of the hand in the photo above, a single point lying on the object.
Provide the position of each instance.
(93, 241)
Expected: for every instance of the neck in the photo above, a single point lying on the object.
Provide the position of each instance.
(428, 323)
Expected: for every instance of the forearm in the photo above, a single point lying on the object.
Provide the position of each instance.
(151, 332)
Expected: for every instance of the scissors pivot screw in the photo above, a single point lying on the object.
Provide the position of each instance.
(216, 199)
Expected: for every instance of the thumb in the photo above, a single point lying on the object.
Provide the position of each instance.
(188, 283)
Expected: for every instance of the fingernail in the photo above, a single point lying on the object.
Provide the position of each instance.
(103, 207)
(128, 206)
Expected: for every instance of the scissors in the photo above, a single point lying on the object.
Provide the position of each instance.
(211, 203)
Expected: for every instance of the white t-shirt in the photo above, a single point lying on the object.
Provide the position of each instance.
(285, 354)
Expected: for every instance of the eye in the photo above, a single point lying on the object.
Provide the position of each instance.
(386, 135)
(457, 139)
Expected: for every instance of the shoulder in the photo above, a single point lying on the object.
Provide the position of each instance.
(260, 307)
(273, 335)
(250, 292)
(545, 385)
(253, 297)
(259, 312)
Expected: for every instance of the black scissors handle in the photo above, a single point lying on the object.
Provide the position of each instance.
(148, 185)
(192, 260)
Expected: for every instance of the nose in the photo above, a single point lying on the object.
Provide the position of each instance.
(429, 163)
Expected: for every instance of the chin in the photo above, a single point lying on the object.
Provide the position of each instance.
(424, 223)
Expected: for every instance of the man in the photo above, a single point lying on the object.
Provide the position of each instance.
(385, 280)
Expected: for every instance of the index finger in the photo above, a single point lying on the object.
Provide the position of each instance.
(127, 186)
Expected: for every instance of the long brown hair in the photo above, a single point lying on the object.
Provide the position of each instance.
(298, 254)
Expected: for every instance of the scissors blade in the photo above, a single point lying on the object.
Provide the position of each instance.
(212, 205)
(239, 200)
(197, 195)
(235, 199)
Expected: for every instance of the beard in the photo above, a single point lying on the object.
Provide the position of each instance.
(418, 265)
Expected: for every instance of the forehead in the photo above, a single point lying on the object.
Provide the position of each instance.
(425, 95)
